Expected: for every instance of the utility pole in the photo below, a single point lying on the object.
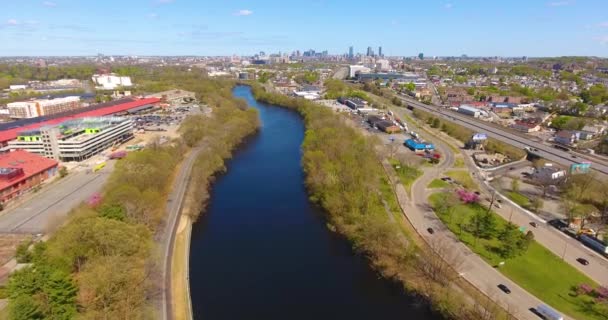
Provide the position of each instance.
(565, 247)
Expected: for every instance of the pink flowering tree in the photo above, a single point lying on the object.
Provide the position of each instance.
(467, 196)
(94, 200)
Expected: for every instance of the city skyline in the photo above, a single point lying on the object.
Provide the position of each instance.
(182, 27)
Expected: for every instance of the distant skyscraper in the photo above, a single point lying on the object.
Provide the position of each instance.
(370, 52)
(351, 52)
(380, 52)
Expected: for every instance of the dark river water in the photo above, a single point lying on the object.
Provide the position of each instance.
(262, 250)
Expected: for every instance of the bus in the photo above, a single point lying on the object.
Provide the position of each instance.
(548, 312)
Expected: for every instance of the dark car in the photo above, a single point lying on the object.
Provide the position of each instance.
(582, 261)
(573, 156)
(499, 200)
(512, 168)
(504, 288)
(477, 193)
(430, 230)
(534, 224)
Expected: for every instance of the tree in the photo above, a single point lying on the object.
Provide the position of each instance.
(435, 123)
(410, 86)
(113, 211)
(61, 295)
(63, 171)
(483, 225)
(22, 254)
(24, 308)
(515, 184)
(536, 204)
(512, 241)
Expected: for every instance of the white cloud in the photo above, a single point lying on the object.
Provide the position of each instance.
(603, 24)
(243, 12)
(50, 4)
(12, 22)
(152, 15)
(559, 3)
(448, 6)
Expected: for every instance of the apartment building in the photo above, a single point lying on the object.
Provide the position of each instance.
(42, 107)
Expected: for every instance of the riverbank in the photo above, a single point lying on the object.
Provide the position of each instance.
(180, 287)
(334, 157)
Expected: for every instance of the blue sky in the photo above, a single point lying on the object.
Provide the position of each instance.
(225, 27)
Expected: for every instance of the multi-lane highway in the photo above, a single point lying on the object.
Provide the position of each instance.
(507, 136)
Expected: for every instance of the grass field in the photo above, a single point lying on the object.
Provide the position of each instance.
(538, 270)
(438, 184)
(519, 198)
(406, 174)
(458, 162)
(464, 178)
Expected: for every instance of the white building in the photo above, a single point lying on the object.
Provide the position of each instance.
(111, 81)
(383, 65)
(75, 140)
(353, 69)
(548, 173)
(469, 111)
(42, 107)
(15, 87)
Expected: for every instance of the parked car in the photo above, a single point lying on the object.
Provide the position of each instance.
(497, 205)
(582, 261)
(430, 230)
(534, 224)
(504, 288)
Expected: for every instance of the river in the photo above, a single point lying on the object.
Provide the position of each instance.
(262, 250)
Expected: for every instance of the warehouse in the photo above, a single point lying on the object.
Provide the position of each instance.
(42, 107)
(75, 140)
(469, 111)
(20, 171)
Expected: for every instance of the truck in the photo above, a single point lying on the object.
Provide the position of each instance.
(548, 313)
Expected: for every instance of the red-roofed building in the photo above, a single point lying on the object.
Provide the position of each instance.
(21, 171)
(11, 134)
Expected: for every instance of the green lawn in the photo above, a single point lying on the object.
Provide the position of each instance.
(519, 198)
(406, 174)
(438, 184)
(538, 270)
(462, 177)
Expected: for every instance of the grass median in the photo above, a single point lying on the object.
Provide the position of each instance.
(519, 198)
(438, 184)
(538, 270)
(406, 174)
(463, 178)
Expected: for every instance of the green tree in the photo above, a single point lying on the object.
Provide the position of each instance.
(435, 123)
(24, 307)
(536, 204)
(513, 242)
(61, 295)
(22, 254)
(410, 86)
(515, 184)
(483, 225)
(113, 211)
(63, 171)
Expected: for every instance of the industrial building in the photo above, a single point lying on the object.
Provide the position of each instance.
(42, 107)
(469, 111)
(21, 171)
(75, 140)
(9, 131)
(174, 96)
(111, 81)
(353, 103)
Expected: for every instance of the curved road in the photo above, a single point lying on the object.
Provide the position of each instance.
(473, 268)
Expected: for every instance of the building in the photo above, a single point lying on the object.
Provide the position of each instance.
(566, 137)
(526, 126)
(20, 171)
(548, 173)
(9, 131)
(387, 126)
(469, 111)
(370, 52)
(353, 103)
(75, 140)
(353, 70)
(42, 107)
(419, 146)
(380, 54)
(111, 81)
(174, 96)
(351, 52)
(383, 76)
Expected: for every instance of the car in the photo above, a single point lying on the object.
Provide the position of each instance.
(430, 230)
(497, 205)
(504, 288)
(535, 149)
(477, 193)
(499, 200)
(534, 224)
(573, 156)
(512, 168)
(582, 261)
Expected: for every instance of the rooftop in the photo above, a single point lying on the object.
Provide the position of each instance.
(30, 163)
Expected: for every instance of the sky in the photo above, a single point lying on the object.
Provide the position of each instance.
(225, 27)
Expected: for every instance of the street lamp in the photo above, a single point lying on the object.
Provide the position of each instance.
(565, 247)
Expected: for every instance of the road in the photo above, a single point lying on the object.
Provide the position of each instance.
(173, 210)
(507, 136)
(47, 209)
(554, 240)
(473, 268)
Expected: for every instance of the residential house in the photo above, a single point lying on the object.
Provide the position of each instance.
(566, 137)
(547, 174)
(526, 126)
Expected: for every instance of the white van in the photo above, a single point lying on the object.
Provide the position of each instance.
(548, 312)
